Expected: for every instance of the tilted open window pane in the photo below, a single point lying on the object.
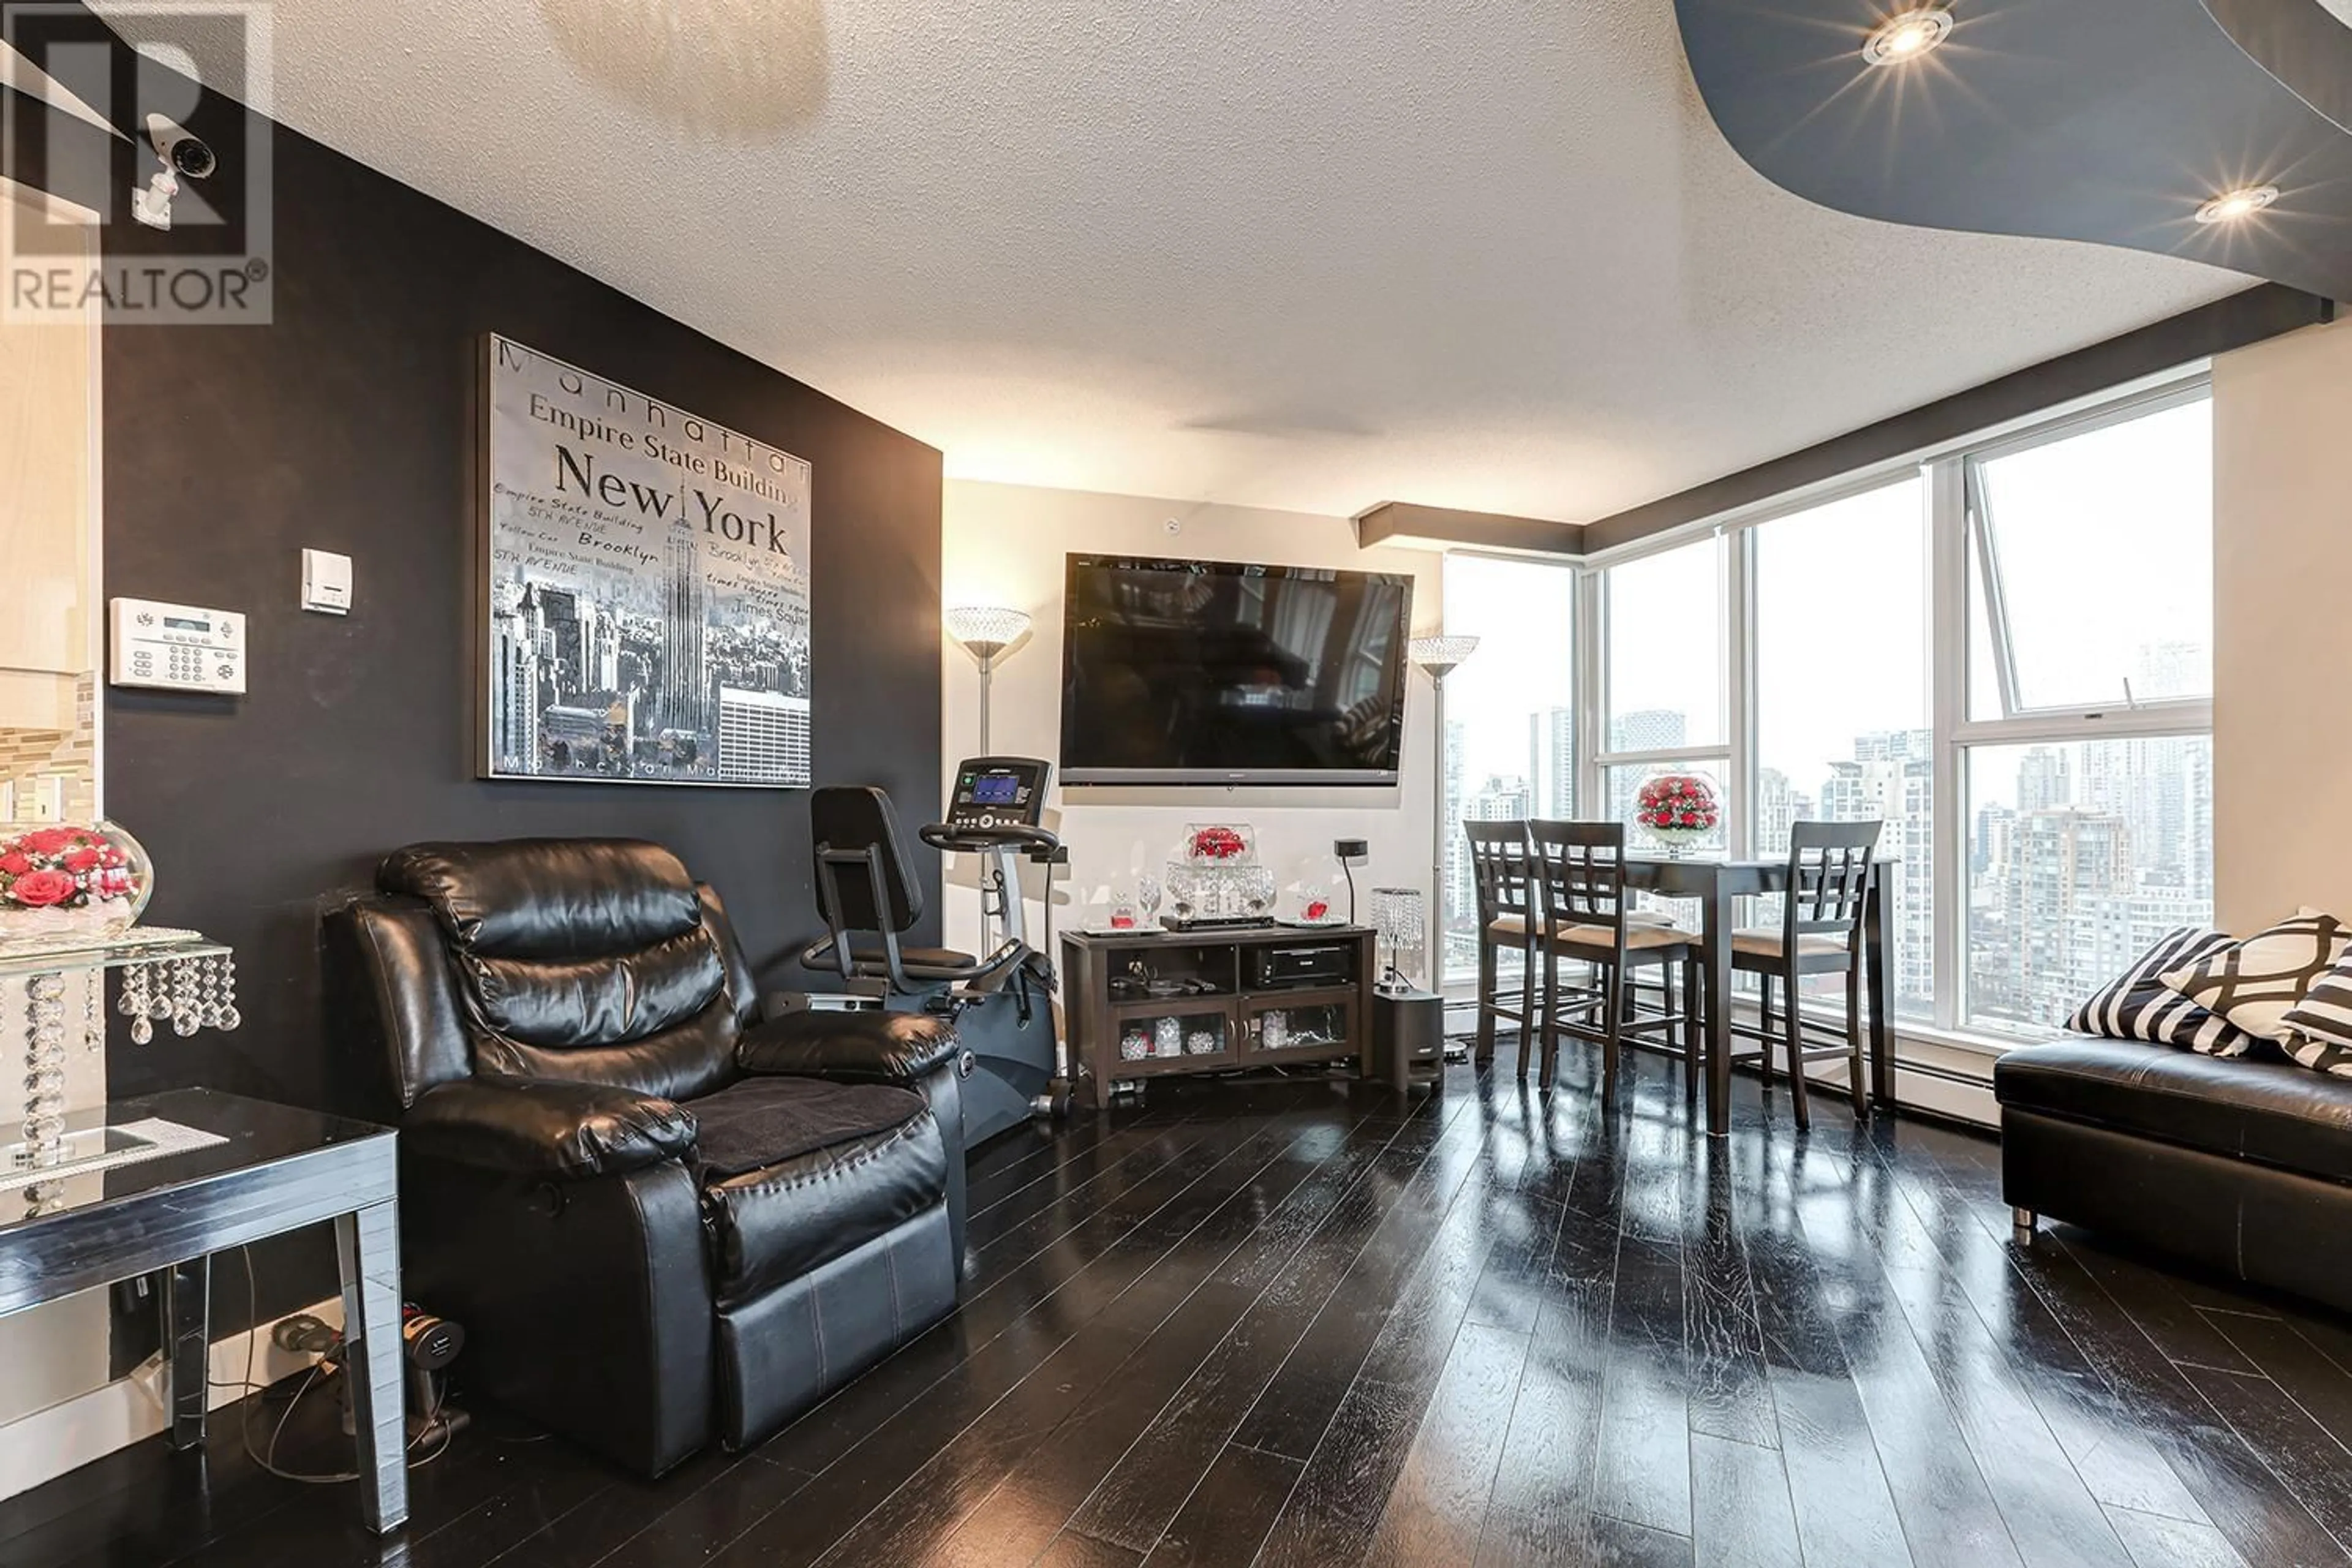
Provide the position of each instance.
(2080, 857)
(2101, 546)
(1510, 720)
(1666, 633)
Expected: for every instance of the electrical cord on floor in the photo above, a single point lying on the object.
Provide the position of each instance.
(245, 1411)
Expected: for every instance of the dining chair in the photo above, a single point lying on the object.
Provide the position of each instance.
(1820, 932)
(1507, 918)
(1580, 875)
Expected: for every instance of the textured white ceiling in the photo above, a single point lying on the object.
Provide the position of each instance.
(1313, 254)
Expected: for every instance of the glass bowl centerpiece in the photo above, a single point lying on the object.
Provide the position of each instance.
(64, 885)
(1678, 810)
(1215, 877)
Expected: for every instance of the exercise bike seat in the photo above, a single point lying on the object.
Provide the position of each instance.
(870, 959)
(1002, 1000)
(868, 897)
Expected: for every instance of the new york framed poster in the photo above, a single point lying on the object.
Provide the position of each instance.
(643, 587)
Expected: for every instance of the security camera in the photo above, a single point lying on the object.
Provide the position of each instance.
(183, 150)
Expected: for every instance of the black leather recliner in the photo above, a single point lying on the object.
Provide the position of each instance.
(660, 1217)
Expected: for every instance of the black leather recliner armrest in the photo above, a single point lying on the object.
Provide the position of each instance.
(545, 1127)
(885, 1047)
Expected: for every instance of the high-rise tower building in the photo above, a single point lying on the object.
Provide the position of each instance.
(1551, 763)
(514, 693)
(685, 682)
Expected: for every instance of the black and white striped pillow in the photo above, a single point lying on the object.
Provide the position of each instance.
(2139, 1006)
(2256, 983)
(2322, 1022)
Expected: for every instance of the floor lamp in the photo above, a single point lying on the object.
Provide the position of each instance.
(1438, 657)
(985, 632)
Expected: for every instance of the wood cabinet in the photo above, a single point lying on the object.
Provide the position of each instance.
(49, 490)
(1147, 1004)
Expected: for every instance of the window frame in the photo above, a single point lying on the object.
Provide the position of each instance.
(2126, 720)
(1739, 710)
(1950, 477)
(1449, 810)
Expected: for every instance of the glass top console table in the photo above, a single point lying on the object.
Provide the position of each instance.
(259, 1171)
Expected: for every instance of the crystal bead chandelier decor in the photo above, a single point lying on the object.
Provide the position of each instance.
(174, 977)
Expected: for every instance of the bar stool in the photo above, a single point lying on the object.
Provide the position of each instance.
(1580, 871)
(1820, 932)
(1506, 918)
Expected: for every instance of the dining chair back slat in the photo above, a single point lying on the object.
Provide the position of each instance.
(1579, 873)
(1498, 866)
(1829, 878)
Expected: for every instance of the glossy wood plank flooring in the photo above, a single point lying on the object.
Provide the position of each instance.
(1305, 1322)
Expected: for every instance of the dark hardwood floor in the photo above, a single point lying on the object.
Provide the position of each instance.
(1305, 1322)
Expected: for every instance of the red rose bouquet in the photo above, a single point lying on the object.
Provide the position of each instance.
(71, 876)
(1678, 808)
(1218, 843)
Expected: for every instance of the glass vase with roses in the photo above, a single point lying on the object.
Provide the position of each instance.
(1678, 810)
(62, 884)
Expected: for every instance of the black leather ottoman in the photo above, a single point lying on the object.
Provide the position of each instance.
(2243, 1166)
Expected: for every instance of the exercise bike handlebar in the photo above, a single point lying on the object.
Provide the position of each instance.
(979, 840)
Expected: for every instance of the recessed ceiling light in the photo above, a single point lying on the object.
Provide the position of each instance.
(1907, 35)
(2231, 205)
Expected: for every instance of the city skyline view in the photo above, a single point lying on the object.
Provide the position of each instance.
(2077, 856)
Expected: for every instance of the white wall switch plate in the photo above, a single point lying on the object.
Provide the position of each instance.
(326, 582)
(177, 647)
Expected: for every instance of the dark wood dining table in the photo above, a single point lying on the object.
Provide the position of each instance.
(1715, 883)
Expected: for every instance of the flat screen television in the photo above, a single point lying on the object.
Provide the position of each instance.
(1181, 672)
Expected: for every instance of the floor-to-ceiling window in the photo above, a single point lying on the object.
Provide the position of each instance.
(1843, 695)
(2091, 615)
(1510, 745)
(2004, 652)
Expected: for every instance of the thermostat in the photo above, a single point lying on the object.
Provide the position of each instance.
(177, 647)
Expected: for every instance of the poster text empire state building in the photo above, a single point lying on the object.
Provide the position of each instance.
(648, 592)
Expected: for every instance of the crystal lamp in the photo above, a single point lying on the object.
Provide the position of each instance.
(1400, 930)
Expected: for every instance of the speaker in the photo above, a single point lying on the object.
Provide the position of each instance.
(1408, 1039)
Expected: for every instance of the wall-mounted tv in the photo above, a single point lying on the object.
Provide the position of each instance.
(1211, 672)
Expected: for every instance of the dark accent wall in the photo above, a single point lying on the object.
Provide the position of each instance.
(346, 425)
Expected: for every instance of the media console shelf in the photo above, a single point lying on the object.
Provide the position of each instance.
(1250, 997)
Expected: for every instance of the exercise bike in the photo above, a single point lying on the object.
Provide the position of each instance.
(1002, 1001)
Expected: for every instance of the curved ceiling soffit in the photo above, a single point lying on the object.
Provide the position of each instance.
(2106, 121)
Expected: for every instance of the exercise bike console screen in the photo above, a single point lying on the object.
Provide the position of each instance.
(999, 792)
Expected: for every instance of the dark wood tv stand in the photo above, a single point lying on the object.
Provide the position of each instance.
(1243, 1023)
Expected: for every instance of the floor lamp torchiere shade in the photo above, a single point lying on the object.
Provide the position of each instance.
(1438, 657)
(987, 633)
